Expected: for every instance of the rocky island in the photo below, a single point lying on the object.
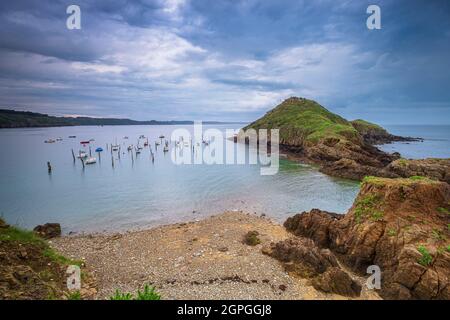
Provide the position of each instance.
(342, 148)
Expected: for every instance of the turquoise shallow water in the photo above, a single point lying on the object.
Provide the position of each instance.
(139, 193)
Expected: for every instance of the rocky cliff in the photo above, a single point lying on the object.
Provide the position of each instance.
(401, 225)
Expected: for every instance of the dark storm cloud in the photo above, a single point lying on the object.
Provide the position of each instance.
(227, 60)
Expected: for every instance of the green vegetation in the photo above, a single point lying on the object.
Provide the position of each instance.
(251, 238)
(365, 127)
(377, 216)
(443, 210)
(52, 255)
(418, 178)
(448, 248)
(118, 295)
(392, 232)
(149, 293)
(426, 258)
(74, 295)
(18, 235)
(373, 180)
(302, 120)
(366, 206)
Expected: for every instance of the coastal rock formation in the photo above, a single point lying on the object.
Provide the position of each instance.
(335, 280)
(438, 169)
(311, 133)
(401, 225)
(48, 230)
(303, 257)
(374, 134)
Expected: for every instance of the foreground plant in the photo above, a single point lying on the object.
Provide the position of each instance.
(149, 293)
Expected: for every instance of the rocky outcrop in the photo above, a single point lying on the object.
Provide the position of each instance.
(401, 225)
(304, 258)
(335, 280)
(48, 230)
(438, 169)
(374, 134)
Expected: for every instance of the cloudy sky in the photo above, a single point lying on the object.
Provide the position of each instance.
(226, 59)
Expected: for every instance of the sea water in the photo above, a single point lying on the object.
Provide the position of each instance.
(138, 193)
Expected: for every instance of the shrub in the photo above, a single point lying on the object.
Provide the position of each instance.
(426, 258)
(251, 238)
(149, 293)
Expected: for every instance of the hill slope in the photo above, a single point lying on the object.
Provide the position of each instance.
(302, 121)
(21, 119)
(343, 148)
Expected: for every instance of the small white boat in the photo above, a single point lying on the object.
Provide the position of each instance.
(82, 155)
(115, 148)
(50, 141)
(166, 149)
(91, 160)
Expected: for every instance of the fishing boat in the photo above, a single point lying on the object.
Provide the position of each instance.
(50, 141)
(157, 143)
(59, 139)
(72, 137)
(99, 150)
(115, 148)
(138, 151)
(161, 137)
(85, 142)
(125, 138)
(166, 149)
(141, 136)
(91, 160)
(130, 148)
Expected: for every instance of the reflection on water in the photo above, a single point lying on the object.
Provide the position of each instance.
(136, 192)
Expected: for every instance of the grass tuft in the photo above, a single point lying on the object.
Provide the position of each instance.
(426, 258)
(251, 238)
(149, 293)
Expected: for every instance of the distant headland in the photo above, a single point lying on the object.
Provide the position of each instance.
(26, 119)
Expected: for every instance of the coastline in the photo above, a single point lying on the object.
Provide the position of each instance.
(206, 259)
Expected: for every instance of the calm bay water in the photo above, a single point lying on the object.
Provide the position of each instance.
(436, 144)
(139, 193)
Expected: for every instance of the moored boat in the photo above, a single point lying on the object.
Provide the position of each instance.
(91, 160)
